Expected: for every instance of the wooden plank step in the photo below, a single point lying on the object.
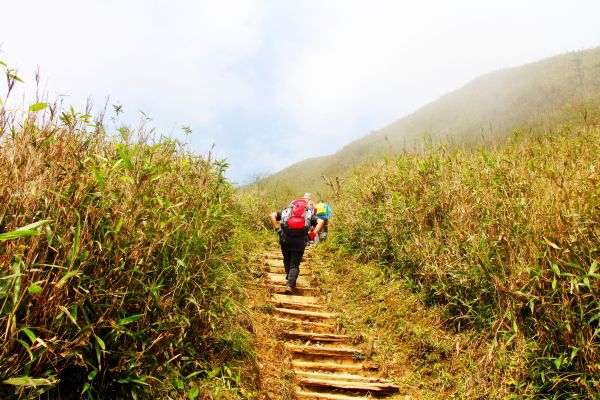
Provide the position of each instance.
(305, 314)
(344, 377)
(274, 256)
(299, 291)
(319, 337)
(380, 387)
(327, 366)
(308, 395)
(299, 306)
(269, 262)
(301, 282)
(278, 263)
(281, 270)
(304, 324)
(295, 299)
(325, 351)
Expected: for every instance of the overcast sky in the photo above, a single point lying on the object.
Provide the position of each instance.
(274, 82)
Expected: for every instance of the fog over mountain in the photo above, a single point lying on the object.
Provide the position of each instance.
(484, 110)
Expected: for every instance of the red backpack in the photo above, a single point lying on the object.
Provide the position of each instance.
(296, 219)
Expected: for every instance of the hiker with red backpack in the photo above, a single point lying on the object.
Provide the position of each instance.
(294, 230)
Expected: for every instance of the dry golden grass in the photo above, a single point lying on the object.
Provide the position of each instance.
(503, 241)
(131, 282)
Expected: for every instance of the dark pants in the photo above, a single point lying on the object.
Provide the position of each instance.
(291, 262)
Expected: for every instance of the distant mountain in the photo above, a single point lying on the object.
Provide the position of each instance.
(487, 109)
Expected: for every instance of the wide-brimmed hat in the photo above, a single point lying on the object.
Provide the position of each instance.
(306, 196)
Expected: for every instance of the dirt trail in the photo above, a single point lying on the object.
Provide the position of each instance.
(324, 363)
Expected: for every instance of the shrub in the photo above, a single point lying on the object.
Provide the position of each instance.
(117, 262)
(505, 239)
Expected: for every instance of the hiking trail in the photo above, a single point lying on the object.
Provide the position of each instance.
(323, 362)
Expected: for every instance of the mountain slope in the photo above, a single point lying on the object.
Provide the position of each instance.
(486, 109)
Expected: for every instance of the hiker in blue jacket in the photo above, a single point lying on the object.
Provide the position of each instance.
(294, 232)
(323, 211)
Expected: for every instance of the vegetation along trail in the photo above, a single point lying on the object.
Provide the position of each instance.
(132, 268)
(475, 269)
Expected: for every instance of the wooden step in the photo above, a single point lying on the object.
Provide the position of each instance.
(305, 324)
(294, 299)
(301, 282)
(308, 395)
(305, 314)
(273, 256)
(299, 291)
(380, 387)
(273, 263)
(343, 377)
(279, 265)
(323, 351)
(317, 337)
(327, 366)
(280, 270)
(299, 306)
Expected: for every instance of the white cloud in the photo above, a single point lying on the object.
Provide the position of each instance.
(360, 63)
(175, 60)
(325, 71)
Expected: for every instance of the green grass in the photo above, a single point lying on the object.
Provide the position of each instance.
(502, 242)
(129, 283)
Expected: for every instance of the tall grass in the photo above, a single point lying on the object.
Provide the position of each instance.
(505, 240)
(127, 283)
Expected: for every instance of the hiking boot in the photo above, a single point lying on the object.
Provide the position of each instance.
(289, 289)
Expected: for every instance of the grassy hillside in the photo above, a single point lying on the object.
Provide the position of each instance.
(503, 244)
(122, 260)
(486, 110)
